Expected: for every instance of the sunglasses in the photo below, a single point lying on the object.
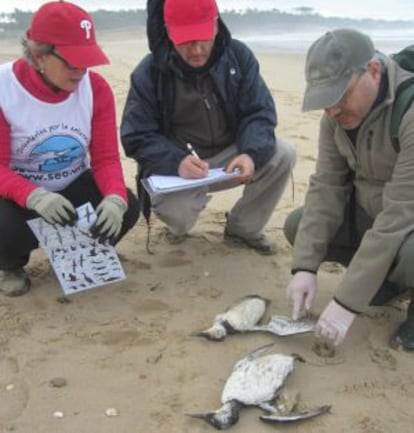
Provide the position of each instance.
(63, 60)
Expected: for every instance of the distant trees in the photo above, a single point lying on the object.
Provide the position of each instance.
(306, 19)
(18, 21)
(304, 10)
(251, 20)
(117, 19)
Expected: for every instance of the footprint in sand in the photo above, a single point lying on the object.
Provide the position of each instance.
(327, 354)
(173, 260)
(383, 357)
(14, 393)
(332, 268)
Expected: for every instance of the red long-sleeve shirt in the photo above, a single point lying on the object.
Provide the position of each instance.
(103, 147)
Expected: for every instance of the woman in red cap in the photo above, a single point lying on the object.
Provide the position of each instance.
(58, 139)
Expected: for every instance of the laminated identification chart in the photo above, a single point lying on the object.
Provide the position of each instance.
(79, 261)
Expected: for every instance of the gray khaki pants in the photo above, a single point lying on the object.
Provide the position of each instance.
(180, 210)
(348, 238)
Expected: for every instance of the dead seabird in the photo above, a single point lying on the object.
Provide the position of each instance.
(238, 318)
(256, 380)
(284, 325)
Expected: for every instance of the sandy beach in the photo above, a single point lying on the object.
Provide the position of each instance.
(128, 345)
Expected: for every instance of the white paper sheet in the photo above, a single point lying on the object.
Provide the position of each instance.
(158, 184)
(79, 261)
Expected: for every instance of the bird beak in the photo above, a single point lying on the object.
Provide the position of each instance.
(207, 335)
(197, 415)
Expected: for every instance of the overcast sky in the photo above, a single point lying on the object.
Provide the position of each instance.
(395, 9)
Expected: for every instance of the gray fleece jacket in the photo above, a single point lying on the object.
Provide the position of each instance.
(384, 186)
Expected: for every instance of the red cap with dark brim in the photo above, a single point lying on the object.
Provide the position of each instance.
(70, 29)
(190, 20)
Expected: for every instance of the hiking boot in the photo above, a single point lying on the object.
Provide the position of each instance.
(404, 337)
(386, 293)
(262, 244)
(14, 283)
(174, 239)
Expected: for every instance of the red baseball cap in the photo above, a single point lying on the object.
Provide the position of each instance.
(70, 29)
(190, 20)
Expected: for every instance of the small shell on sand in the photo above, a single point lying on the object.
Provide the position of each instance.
(111, 412)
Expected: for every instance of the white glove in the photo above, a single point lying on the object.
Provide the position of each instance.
(301, 291)
(110, 212)
(334, 322)
(51, 206)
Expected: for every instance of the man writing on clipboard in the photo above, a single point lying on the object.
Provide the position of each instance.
(200, 86)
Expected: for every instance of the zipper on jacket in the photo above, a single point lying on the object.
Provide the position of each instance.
(369, 139)
(200, 85)
(352, 150)
(206, 103)
(369, 148)
(210, 124)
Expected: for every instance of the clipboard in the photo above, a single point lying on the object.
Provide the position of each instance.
(161, 184)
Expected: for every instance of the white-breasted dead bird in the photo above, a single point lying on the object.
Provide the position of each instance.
(238, 318)
(256, 380)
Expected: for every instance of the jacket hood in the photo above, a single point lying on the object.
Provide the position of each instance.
(158, 40)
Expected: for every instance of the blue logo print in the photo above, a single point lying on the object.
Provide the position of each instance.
(57, 153)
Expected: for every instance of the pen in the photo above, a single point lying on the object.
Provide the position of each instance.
(192, 151)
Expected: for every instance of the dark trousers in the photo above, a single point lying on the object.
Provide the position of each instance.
(348, 238)
(17, 240)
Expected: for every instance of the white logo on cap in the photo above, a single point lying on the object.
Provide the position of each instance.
(87, 26)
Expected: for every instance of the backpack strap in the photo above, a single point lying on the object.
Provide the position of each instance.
(405, 58)
(402, 102)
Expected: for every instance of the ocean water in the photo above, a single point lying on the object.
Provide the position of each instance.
(387, 41)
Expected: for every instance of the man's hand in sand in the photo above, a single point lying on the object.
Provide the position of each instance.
(192, 167)
(334, 323)
(301, 292)
(244, 163)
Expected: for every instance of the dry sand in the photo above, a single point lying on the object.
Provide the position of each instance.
(128, 345)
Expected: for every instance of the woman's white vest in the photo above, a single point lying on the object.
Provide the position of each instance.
(49, 141)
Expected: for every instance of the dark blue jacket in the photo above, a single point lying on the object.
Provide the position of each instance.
(248, 104)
